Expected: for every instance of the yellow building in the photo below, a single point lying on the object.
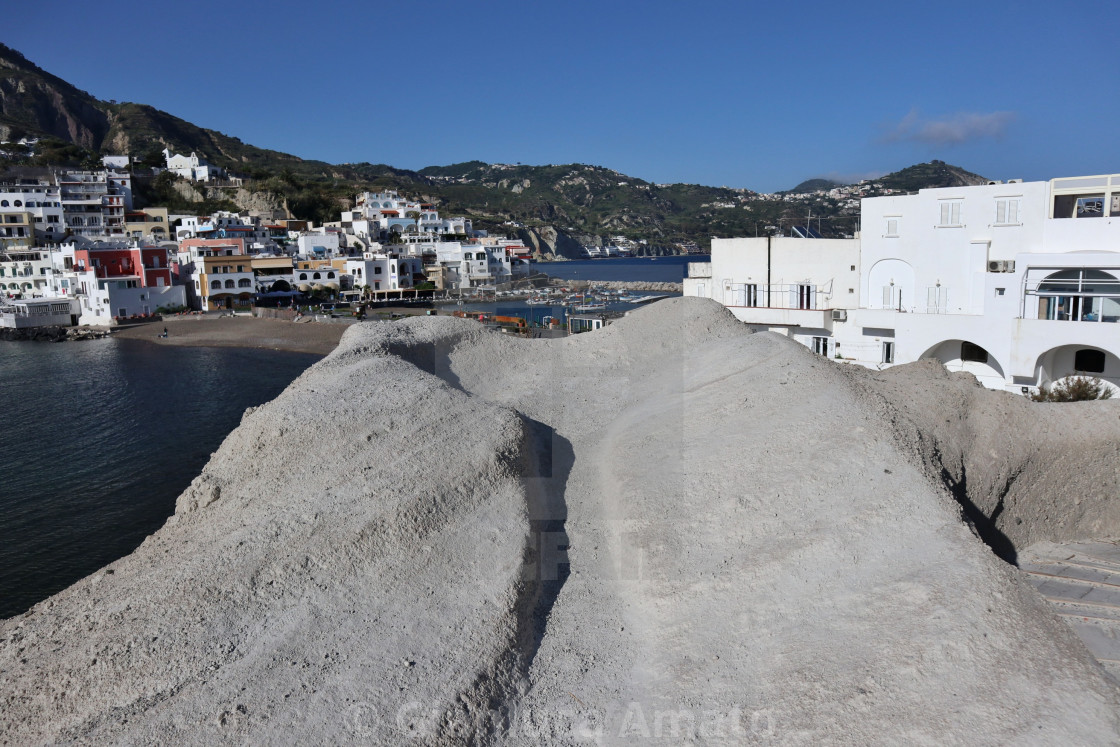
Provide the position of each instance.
(151, 223)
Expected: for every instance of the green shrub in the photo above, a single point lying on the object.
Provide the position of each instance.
(1074, 389)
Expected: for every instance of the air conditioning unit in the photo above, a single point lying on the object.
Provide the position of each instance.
(839, 315)
(1001, 265)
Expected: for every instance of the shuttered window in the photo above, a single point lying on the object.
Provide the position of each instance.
(950, 213)
(1007, 211)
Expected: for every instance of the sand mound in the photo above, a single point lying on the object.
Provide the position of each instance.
(670, 529)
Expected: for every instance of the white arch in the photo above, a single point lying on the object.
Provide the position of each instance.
(960, 355)
(890, 285)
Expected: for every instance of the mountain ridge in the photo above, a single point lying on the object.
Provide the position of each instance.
(588, 204)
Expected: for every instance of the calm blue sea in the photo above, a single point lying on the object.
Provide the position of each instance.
(649, 269)
(100, 437)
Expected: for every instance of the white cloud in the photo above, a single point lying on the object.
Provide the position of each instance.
(953, 129)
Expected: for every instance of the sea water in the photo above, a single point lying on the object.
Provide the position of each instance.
(99, 438)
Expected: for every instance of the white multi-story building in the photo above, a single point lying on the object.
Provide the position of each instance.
(384, 272)
(94, 202)
(1016, 283)
(25, 273)
(42, 201)
(473, 264)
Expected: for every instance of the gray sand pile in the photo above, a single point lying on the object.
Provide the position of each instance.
(669, 528)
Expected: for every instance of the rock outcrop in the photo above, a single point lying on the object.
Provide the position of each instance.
(668, 530)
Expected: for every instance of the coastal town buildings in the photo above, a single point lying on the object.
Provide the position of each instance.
(1017, 283)
(115, 279)
(217, 274)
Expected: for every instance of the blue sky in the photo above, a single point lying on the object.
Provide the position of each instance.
(742, 94)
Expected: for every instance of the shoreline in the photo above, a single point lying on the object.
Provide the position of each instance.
(318, 338)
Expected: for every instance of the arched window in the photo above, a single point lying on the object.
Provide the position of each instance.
(217, 284)
(330, 276)
(316, 276)
(229, 284)
(1088, 360)
(972, 352)
(303, 276)
(3, 203)
(244, 283)
(17, 203)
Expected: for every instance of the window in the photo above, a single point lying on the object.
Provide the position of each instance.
(1089, 361)
(820, 346)
(892, 227)
(974, 353)
(1007, 211)
(217, 284)
(376, 270)
(806, 297)
(1090, 207)
(229, 284)
(888, 352)
(950, 213)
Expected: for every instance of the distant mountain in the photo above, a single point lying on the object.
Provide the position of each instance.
(814, 185)
(929, 175)
(558, 207)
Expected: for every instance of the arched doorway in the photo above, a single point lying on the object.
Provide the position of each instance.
(1077, 360)
(963, 355)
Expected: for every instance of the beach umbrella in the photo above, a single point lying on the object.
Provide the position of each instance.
(304, 287)
(317, 286)
(332, 286)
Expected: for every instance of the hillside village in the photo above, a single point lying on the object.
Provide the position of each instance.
(78, 239)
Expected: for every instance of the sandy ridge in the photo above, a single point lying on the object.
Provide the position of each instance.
(760, 550)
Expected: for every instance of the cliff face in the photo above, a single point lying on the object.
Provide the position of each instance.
(36, 102)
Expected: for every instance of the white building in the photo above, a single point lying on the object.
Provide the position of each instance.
(39, 198)
(384, 272)
(191, 167)
(94, 202)
(473, 265)
(41, 312)
(318, 245)
(25, 273)
(1016, 283)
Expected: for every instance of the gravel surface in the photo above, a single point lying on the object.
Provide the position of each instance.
(669, 530)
